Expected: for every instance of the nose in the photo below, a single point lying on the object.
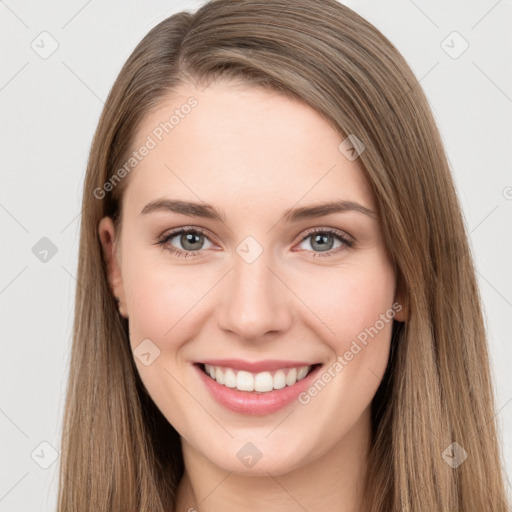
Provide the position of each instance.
(254, 300)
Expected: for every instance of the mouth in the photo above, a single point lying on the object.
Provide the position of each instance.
(257, 382)
(256, 394)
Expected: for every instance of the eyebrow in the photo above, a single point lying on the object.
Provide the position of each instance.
(289, 216)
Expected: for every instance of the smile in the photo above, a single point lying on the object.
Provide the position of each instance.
(264, 390)
(262, 382)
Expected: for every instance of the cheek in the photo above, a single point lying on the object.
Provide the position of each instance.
(162, 306)
(352, 303)
(356, 303)
(157, 295)
(344, 308)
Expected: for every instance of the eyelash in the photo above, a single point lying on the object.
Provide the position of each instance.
(163, 241)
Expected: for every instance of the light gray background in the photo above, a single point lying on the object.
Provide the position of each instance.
(50, 108)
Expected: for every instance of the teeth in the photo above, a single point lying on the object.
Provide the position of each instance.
(219, 376)
(260, 382)
(280, 378)
(229, 378)
(302, 372)
(263, 382)
(291, 378)
(244, 381)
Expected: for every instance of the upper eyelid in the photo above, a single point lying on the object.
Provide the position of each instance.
(185, 229)
(334, 231)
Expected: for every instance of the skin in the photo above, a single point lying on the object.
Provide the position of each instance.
(252, 154)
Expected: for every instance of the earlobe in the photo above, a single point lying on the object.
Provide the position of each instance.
(107, 235)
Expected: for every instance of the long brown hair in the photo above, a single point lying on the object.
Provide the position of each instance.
(118, 451)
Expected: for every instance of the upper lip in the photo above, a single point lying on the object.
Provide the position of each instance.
(256, 366)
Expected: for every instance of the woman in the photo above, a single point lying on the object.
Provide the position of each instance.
(278, 306)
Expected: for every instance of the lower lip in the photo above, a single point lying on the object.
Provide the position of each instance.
(254, 403)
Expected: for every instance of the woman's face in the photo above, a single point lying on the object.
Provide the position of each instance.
(252, 282)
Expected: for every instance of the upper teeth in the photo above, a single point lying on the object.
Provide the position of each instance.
(260, 382)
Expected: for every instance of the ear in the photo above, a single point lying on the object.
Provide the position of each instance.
(108, 240)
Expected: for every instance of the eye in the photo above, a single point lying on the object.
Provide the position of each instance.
(323, 240)
(186, 241)
(190, 239)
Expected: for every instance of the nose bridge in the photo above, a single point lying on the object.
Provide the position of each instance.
(254, 301)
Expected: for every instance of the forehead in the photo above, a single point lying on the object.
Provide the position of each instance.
(240, 145)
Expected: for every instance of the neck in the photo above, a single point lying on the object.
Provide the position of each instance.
(331, 481)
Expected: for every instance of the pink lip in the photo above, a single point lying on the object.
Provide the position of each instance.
(254, 403)
(256, 367)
